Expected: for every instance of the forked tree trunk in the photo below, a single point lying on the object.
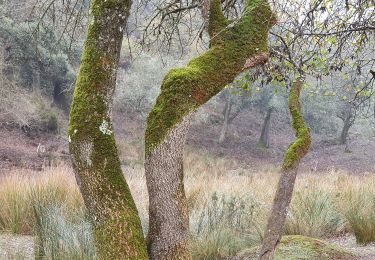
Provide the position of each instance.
(296, 151)
(116, 224)
(232, 50)
(224, 128)
(264, 140)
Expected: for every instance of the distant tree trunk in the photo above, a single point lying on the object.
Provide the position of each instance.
(116, 224)
(224, 128)
(264, 140)
(348, 122)
(232, 49)
(296, 151)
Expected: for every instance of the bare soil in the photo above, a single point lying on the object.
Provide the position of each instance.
(365, 252)
(16, 247)
(19, 149)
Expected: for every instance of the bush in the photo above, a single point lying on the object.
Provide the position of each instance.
(27, 109)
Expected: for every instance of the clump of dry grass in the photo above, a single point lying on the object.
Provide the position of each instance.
(358, 207)
(21, 190)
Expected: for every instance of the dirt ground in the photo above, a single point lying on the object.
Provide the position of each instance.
(16, 247)
(37, 150)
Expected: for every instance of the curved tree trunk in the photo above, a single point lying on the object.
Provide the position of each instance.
(264, 140)
(117, 227)
(296, 151)
(232, 50)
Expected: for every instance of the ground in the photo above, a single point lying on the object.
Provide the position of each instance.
(22, 247)
(20, 149)
(16, 247)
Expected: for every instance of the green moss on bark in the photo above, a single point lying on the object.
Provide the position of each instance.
(185, 89)
(117, 227)
(299, 148)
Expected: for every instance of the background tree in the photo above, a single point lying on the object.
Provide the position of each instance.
(117, 227)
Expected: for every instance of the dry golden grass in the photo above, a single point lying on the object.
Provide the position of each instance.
(21, 190)
(229, 204)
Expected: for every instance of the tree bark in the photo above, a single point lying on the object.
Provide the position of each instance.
(232, 49)
(296, 151)
(264, 140)
(116, 224)
(224, 128)
(348, 122)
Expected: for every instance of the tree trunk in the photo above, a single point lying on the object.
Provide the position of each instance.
(224, 128)
(345, 130)
(264, 140)
(232, 49)
(116, 224)
(296, 151)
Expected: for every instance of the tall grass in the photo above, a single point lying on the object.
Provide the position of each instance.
(359, 210)
(229, 206)
(48, 205)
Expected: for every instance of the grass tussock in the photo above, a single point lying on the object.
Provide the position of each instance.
(229, 207)
(48, 205)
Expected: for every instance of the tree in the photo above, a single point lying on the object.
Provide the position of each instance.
(234, 47)
(264, 140)
(296, 151)
(117, 227)
(313, 44)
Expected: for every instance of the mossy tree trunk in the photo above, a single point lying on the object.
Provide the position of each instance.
(116, 224)
(264, 139)
(232, 49)
(296, 151)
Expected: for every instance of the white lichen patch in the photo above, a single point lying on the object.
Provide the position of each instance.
(104, 128)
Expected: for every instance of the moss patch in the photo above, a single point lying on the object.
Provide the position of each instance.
(299, 148)
(301, 247)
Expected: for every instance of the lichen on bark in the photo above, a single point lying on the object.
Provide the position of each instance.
(232, 49)
(116, 224)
